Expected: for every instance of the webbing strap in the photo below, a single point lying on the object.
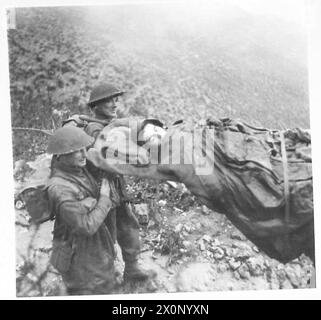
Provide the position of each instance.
(286, 179)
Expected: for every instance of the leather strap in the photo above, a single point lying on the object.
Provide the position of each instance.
(90, 119)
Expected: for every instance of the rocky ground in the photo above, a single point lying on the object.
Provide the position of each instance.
(190, 247)
(247, 67)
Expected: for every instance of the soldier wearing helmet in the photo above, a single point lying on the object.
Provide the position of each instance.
(103, 103)
(83, 247)
(124, 225)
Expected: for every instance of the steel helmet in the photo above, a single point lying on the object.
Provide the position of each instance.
(68, 139)
(103, 91)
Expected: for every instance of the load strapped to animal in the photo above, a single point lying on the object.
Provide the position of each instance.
(260, 179)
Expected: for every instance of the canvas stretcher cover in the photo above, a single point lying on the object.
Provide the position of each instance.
(245, 181)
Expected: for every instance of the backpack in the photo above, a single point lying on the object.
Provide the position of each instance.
(34, 199)
(36, 202)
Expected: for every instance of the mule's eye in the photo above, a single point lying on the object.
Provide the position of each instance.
(102, 137)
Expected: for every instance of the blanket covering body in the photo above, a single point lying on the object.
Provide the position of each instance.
(246, 180)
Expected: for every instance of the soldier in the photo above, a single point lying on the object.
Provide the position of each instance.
(102, 103)
(122, 223)
(83, 248)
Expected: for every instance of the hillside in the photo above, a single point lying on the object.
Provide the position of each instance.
(172, 66)
(240, 66)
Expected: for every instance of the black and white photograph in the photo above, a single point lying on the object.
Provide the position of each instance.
(160, 147)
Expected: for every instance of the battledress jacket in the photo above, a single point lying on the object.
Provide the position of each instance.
(83, 249)
(118, 183)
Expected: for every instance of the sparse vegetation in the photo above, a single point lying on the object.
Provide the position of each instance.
(235, 66)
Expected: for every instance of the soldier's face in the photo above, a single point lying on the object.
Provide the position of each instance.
(107, 108)
(75, 159)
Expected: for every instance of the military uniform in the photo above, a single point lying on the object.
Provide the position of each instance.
(123, 224)
(127, 226)
(83, 246)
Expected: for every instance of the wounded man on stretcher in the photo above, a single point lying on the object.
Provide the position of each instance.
(260, 179)
(233, 168)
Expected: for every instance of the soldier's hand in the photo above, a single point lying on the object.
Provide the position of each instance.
(105, 187)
